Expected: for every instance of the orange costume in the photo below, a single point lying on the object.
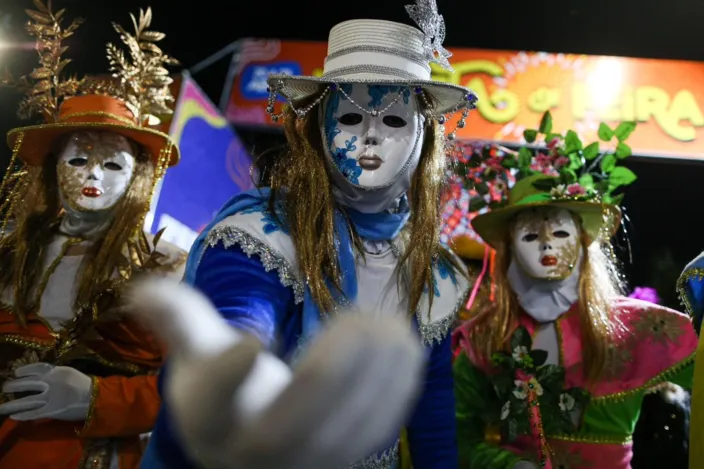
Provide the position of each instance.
(78, 376)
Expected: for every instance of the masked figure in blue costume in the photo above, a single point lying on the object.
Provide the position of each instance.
(690, 287)
(348, 219)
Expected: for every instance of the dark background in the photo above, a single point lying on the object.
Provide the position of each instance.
(662, 205)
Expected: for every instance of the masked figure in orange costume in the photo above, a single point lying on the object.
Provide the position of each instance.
(78, 377)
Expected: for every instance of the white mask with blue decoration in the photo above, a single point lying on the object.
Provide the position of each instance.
(373, 138)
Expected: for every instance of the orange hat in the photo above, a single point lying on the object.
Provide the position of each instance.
(71, 104)
(90, 112)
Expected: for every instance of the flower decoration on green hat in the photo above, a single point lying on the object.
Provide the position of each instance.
(581, 171)
(563, 171)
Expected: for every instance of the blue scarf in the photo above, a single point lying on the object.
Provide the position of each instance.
(373, 227)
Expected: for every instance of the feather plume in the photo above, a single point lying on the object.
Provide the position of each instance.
(44, 88)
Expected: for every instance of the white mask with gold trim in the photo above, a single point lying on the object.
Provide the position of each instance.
(94, 171)
(546, 243)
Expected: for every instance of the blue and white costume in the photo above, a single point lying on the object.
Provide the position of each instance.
(376, 109)
(690, 288)
(246, 265)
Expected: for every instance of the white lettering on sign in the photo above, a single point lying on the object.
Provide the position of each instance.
(257, 82)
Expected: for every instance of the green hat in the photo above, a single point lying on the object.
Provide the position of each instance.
(599, 219)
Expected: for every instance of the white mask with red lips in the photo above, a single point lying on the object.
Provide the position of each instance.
(94, 172)
(546, 243)
(546, 255)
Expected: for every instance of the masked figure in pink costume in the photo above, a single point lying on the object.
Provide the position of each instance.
(554, 373)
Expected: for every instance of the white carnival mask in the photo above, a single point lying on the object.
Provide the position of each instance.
(372, 133)
(546, 243)
(95, 170)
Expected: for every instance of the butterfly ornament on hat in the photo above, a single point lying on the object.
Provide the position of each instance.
(76, 374)
(348, 218)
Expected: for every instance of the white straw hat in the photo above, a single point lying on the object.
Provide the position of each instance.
(384, 53)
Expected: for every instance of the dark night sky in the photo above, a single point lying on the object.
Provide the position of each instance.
(662, 204)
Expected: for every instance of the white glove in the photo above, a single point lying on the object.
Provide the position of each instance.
(63, 393)
(525, 465)
(236, 406)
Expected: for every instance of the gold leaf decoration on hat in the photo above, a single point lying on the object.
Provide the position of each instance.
(143, 78)
(44, 88)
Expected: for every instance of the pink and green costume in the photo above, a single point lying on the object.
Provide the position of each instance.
(573, 427)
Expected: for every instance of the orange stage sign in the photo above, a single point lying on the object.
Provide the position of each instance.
(665, 97)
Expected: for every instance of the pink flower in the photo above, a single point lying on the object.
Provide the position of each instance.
(543, 160)
(553, 143)
(546, 170)
(561, 161)
(575, 189)
(523, 376)
(544, 164)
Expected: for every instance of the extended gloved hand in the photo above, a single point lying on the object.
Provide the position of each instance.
(237, 406)
(63, 393)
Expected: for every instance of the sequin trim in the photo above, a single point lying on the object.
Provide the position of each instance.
(659, 378)
(430, 334)
(91, 405)
(695, 273)
(594, 439)
(385, 460)
(435, 332)
(271, 259)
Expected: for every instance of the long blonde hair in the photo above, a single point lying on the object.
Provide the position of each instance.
(23, 252)
(300, 181)
(599, 284)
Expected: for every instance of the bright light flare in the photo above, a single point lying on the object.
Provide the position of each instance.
(604, 83)
(5, 45)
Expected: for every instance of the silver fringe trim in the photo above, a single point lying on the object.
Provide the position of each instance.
(385, 460)
(434, 333)
(271, 259)
(430, 334)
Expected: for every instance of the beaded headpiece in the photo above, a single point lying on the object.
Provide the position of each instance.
(382, 53)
